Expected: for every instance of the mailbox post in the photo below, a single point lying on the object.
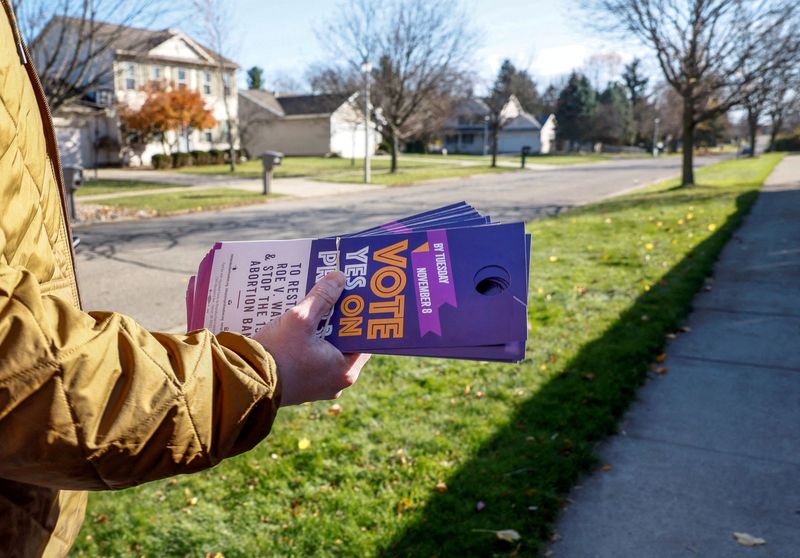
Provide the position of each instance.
(73, 178)
(526, 150)
(270, 160)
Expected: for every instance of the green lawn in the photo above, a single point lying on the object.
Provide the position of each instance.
(407, 174)
(427, 455)
(105, 186)
(187, 200)
(298, 166)
(555, 159)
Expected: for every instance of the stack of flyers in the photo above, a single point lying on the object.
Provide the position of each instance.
(444, 283)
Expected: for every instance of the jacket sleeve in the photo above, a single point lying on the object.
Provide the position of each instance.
(94, 401)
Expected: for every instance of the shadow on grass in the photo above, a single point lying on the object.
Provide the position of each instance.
(523, 471)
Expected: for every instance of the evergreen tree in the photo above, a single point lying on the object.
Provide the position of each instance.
(614, 115)
(550, 99)
(512, 81)
(635, 82)
(575, 110)
(255, 78)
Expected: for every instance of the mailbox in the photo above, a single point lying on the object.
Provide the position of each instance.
(73, 178)
(526, 150)
(269, 160)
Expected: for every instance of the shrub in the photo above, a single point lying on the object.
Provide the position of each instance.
(788, 143)
(161, 161)
(201, 158)
(216, 157)
(181, 160)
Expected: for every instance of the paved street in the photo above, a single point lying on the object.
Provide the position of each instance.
(713, 447)
(140, 268)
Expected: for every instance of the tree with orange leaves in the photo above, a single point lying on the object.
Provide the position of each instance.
(166, 109)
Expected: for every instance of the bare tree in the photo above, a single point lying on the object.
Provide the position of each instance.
(216, 27)
(71, 40)
(710, 51)
(783, 100)
(419, 51)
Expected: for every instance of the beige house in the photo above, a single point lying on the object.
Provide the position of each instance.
(329, 124)
(88, 129)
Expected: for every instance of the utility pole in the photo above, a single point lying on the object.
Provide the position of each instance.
(366, 67)
(655, 137)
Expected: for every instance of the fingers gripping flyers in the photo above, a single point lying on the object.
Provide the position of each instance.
(446, 283)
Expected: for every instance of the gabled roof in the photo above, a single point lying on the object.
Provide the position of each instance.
(296, 105)
(136, 41)
(264, 99)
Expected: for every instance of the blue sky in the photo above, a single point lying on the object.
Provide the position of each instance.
(546, 37)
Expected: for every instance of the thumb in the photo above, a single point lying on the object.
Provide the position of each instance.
(322, 296)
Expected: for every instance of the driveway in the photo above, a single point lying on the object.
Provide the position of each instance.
(141, 268)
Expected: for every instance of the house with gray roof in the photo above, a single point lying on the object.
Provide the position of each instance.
(88, 129)
(326, 124)
(467, 130)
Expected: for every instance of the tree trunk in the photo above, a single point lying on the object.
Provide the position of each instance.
(495, 126)
(752, 128)
(773, 133)
(687, 176)
(395, 148)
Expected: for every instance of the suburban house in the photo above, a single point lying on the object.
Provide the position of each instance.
(88, 129)
(467, 131)
(326, 124)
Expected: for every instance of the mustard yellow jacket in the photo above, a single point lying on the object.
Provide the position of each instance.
(92, 401)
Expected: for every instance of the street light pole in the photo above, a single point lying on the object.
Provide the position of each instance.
(655, 137)
(366, 67)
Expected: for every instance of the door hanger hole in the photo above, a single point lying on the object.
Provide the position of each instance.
(492, 280)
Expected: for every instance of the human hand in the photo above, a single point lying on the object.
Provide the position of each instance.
(309, 367)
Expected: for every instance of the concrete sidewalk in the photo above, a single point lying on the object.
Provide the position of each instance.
(295, 187)
(713, 447)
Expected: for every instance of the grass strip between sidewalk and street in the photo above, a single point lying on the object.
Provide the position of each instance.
(92, 187)
(407, 175)
(429, 457)
(204, 199)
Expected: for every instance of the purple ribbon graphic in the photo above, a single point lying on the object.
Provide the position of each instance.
(433, 281)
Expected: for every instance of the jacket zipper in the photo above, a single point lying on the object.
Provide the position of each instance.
(50, 136)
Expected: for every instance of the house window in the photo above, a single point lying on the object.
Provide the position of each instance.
(155, 73)
(467, 139)
(207, 83)
(209, 136)
(130, 76)
(181, 78)
(226, 84)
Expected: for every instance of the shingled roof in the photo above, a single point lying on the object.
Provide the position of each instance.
(132, 40)
(297, 105)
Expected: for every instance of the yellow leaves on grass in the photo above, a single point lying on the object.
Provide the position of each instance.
(681, 221)
(335, 410)
(712, 227)
(662, 357)
(404, 505)
(553, 259)
(303, 444)
(649, 246)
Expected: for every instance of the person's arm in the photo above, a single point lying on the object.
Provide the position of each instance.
(95, 401)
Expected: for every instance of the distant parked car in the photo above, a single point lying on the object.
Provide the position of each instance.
(746, 150)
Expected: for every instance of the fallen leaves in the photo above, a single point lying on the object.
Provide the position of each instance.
(746, 539)
(404, 505)
(649, 246)
(507, 535)
(606, 467)
(303, 444)
(335, 410)
(712, 227)
(441, 487)
(662, 357)
(553, 259)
